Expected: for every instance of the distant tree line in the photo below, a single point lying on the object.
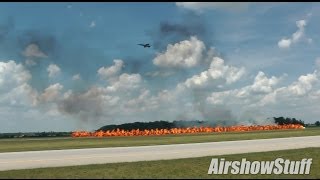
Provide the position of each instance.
(153, 125)
(35, 134)
(283, 121)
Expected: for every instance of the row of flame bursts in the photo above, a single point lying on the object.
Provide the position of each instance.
(191, 130)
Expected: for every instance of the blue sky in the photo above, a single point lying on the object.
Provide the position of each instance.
(68, 66)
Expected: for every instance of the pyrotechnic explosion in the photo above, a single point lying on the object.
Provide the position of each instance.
(189, 130)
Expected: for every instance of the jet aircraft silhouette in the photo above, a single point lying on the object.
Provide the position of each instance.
(145, 45)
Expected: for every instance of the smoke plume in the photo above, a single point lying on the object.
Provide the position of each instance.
(173, 32)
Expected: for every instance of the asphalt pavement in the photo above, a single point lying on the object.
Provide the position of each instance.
(71, 157)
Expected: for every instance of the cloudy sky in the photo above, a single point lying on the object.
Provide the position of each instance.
(72, 66)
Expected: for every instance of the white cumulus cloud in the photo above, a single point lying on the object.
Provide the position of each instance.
(125, 82)
(297, 36)
(108, 72)
(261, 86)
(14, 87)
(217, 71)
(13, 74)
(33, 51)
(76, 77)
(53, 70)
(185, 54)
(51, 93)
(284, 43)
(303, 85)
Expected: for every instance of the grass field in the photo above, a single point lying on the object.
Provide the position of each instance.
(31, 144)
(180, 168)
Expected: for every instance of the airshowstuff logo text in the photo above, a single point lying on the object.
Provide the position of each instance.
(278, 166)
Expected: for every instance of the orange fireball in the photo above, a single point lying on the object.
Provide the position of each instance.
(189, 130)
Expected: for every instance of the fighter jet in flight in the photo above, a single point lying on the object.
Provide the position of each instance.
(145, 45)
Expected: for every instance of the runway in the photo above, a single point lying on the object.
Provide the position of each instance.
(70, 157)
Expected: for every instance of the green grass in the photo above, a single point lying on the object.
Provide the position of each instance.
(180, 168)
(32, 144)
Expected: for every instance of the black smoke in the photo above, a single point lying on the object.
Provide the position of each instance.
(169, 32)
(212, 114)
(6, 28)
(45, 41)
(87, 106)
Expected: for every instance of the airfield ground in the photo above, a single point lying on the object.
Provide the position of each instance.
(180, 168)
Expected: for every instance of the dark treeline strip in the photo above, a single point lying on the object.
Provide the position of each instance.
(282, 121)
(153, 125)
(35, 134)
